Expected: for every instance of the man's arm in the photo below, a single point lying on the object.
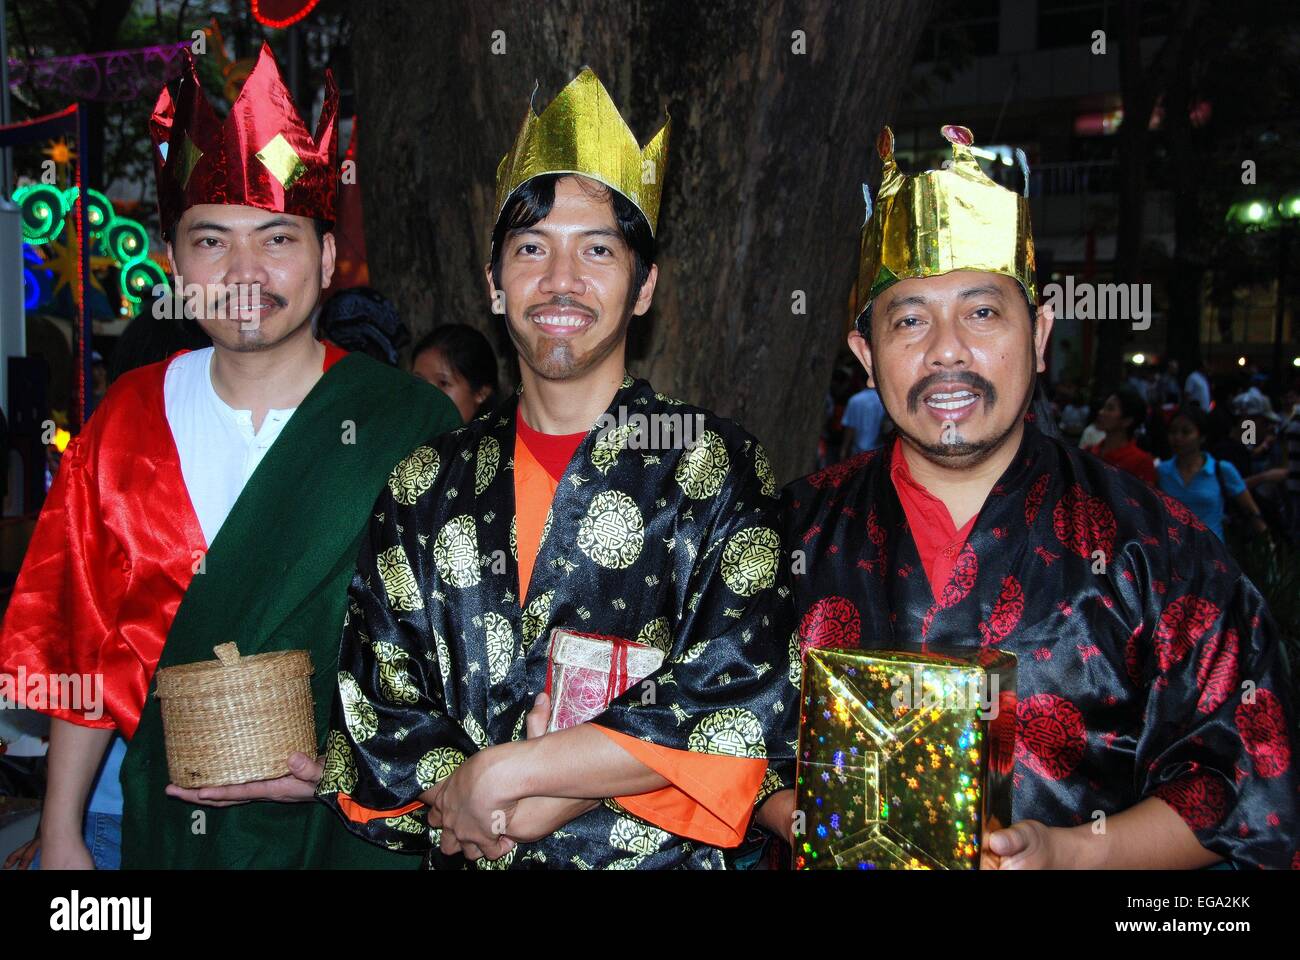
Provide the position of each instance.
(75, 755)
(1150, 835)
(476, 805)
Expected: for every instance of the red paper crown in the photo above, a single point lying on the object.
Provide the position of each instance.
(261, 155)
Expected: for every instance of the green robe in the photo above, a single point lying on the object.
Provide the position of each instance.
(276, 578)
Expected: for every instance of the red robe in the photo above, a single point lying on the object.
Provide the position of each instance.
(113, 553)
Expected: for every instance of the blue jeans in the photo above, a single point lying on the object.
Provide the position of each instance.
(103, 835)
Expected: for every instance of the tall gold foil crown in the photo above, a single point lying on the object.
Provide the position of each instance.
(582, 132)
(937, 221)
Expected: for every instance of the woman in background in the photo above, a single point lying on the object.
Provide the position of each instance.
(460, 362)
(1198, 480)
(1120, 416)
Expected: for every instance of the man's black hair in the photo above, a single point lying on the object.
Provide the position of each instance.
(532, 203)
(322, 227)
(1131, 407)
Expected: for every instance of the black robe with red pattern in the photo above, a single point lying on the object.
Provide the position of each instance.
(1148, 664)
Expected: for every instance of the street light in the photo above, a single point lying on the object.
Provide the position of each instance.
(1256, 216)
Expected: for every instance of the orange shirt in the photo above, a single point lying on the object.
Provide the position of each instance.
(708, 798)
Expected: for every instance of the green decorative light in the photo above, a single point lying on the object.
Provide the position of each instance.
(42, 210)
(45, 210)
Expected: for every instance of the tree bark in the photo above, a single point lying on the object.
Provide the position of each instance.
(762, 201)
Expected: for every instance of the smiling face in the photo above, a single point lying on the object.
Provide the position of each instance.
(566, 285)
(954, 358)
(250, 278)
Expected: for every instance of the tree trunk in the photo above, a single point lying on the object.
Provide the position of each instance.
(1187, 167)
(762, 203)
(1137, 97)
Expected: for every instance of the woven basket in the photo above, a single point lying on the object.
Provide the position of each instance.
(236, 719)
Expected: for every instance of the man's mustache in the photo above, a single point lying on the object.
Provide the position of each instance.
(240, 297)
(560, 301)
(966, 377)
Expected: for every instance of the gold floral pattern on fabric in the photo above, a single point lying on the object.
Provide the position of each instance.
(339, 769)
(437, 765)
(395, 681)
(657, 634)
(399, 580)
(749, 560)
(455, 551)
(414, 476)
(612, 533)
(730, 732)
(636, 836)
(486, 463)
(358, 714)
(500, 645)
(703, 469)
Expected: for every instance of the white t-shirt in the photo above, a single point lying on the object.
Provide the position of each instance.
(218, 449)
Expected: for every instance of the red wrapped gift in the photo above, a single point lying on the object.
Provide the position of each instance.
(586, 671)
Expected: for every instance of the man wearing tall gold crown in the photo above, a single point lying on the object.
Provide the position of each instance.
(590, 537)
(1152, 720)
(218, 495)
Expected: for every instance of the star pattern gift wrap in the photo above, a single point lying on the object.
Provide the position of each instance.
(587, 672)
(905, 758)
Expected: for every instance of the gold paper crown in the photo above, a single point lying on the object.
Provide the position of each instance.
(938, 221)
(582, 132)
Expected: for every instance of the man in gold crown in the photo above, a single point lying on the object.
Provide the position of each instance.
(1152, 720)
(217, 495)
(561, 641)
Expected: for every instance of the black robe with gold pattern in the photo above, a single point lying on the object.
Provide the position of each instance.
(677, 548)
(1148, 664)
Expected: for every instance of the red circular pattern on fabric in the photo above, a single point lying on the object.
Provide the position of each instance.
(1216, 673)
(1132, 664)
(1181, 625)
(830, 622)
(1006, 612)
(1263, 731)
(834, 475)
(956, 589)
(1002, 733)
(1050, 735)
(875, 532)
(1180, 512)
(962, 580)
(1034, 499)
(1085, 524)
(1201, 799)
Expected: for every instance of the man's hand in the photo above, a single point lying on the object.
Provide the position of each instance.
(537, 817)
(295, 787)
(474, 805)
(65, 853)
(777, 815)
(1030, 845)
(22, 857)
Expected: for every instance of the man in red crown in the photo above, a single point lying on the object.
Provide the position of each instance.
(218, 495)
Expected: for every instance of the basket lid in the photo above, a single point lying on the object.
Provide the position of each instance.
(231, 670)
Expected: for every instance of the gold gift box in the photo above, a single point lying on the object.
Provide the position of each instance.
(904, 758)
